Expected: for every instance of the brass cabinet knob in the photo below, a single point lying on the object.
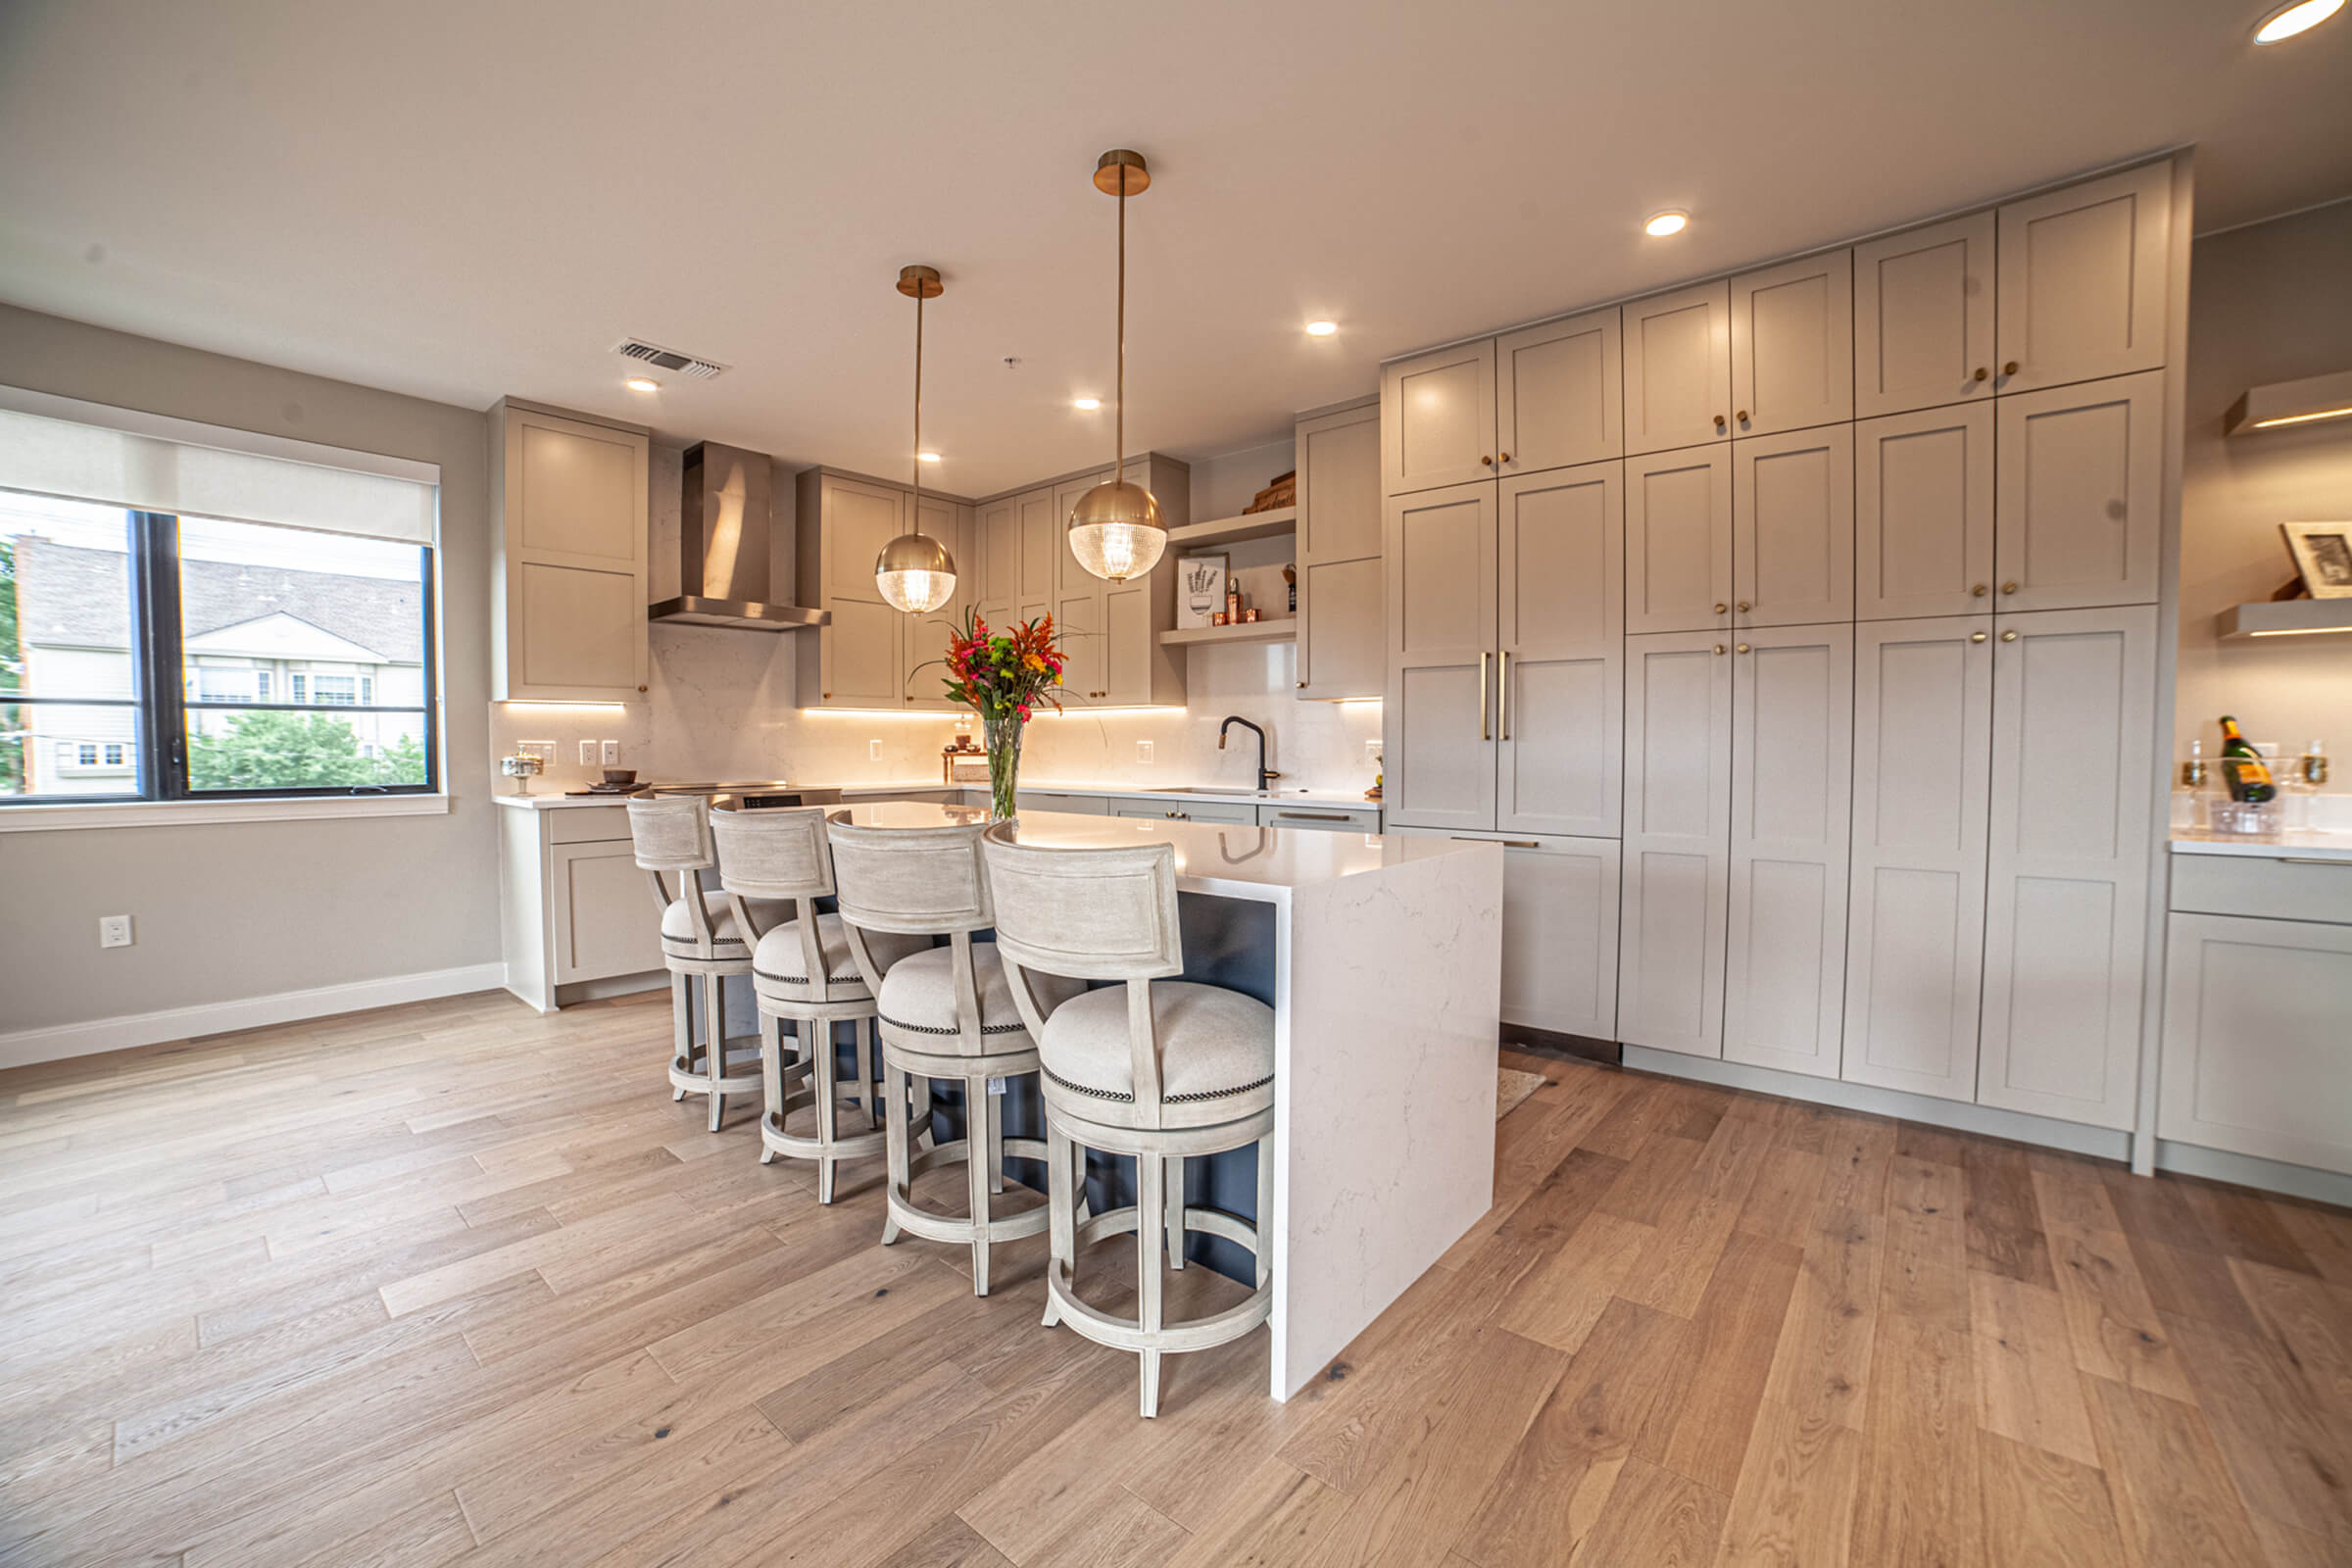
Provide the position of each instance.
(2009, 368)
(1718, 422)
(1742, 415)
(1976, 636)
(1743, 648)
(1743, 606)
(1719, 648)
(1488, 461)
(2008, 636)
(1719, 610)
(1976, 590)
(1302, 685)
(2008, 587)
(1981, 372)
(1502, 456)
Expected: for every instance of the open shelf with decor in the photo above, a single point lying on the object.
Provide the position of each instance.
(1234, 531)
(2285, 617)
(1281, 629)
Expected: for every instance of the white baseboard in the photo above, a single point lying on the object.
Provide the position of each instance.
(59, 1041)
(2251, 1170)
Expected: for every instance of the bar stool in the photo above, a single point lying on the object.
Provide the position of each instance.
(1156, 1071)
(803, 974)
(943, 1012)
(671, 833)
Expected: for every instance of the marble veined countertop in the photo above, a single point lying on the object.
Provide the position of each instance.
(544, 798)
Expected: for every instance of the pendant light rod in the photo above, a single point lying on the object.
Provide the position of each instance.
(916, 572)
(1118, 420)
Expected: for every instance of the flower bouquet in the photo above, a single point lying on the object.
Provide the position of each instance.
(1003, 679)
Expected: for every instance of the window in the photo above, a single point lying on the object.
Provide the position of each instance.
(144, 645)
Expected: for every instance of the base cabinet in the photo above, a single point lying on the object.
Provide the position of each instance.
(572, 904)
(1559, 932)
(2257, 1054)
(1676, 867)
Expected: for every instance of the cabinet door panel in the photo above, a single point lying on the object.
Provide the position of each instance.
(1041, 532)
(928, 634)
(1678, 370)
(1127, 642)
(1923, 514)
(1078, 618)
(582, 488)
(1792, 527)
(1559, 936)
(1677, 541)
(1559, 629)
(1440, 755)
(860, 519)
(1069, 577)
(2077, 507)
(2067, 881)
(2254, 1037)
(1339, 486)
(1677, 841)
(1436, 419)
(863, 656)
(2083, 279)
(1792, 345)
(1341, 649)
(1558, 393)
(1791, 767)
(1923, 318)
(1000, 551)
(604, 924)
(579, 630)
(1915, 929)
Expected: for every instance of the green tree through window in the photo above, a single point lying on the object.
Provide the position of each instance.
(274, 751)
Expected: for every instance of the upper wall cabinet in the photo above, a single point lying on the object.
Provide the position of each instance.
(1438, 724)
(1678, 370)
(2079, 494)
(1792, 527)
(569, 612)
(1923, 318)
(1437, 423)
(1558, 393)
(1792, 345)
(2082, 280)
(1340, 652)
(1677, 541)
(1922, 513)
(861, 658)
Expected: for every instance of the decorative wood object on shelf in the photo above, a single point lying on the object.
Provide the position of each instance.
(1282, 492)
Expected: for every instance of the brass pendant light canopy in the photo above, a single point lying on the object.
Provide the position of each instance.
(914, 572)
(1115, 528)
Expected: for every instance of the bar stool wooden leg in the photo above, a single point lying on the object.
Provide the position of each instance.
(1150, 1205)
(1264, 1227)
(681, 1031)
(871, 1032)
(1065, 1189)
(771, 1077)
(979, 1124)
(995, 1105)
(1176, 1212)
(714, 1044)
(828, 1114)
(900, 1145)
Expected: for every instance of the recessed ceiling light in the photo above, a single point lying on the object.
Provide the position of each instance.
(928, 457)
(1663, 225)
(1090, 405)
(2302, 17)
(1321, 328)
(644, 384)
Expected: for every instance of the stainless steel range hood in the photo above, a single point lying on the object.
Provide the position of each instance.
(723, 538)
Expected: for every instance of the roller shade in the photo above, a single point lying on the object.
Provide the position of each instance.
(89, 451)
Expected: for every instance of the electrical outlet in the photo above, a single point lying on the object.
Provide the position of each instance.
(114, 930)
(612, 754)
(873, 751)
(1142, 750)
(545, 751)
(587, 753)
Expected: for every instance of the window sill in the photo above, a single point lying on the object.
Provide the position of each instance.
(170, 814)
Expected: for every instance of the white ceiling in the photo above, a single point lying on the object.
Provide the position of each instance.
(465, 198)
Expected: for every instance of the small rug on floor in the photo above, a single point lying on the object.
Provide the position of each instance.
(1511, 1088)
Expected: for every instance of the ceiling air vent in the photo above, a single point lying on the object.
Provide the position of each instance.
(637, 348)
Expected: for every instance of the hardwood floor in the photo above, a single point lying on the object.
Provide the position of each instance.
(454, 1283)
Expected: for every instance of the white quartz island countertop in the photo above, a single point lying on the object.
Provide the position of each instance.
(2294, 844)
(542, 798)
(1386, 966)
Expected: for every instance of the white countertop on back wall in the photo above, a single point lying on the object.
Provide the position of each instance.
(543, 799)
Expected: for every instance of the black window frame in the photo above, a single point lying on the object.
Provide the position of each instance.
(159, 693)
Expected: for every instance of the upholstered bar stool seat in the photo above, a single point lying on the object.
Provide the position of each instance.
(679, 940)
(918, 994)
(702, 937)
(775, 865)
(1216, 1054)
(1155, 1069)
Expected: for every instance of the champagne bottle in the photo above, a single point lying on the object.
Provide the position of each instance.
(2315, 765)
(2248, 776)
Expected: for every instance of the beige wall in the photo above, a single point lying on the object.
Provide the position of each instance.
(2267, 303)
(248, 909)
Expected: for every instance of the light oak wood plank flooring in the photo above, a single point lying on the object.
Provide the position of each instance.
(456, 1284)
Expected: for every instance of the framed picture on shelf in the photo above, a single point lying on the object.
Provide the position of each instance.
(2323, 552)
(1200, 588)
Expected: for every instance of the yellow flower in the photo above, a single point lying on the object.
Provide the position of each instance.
(1034, 663)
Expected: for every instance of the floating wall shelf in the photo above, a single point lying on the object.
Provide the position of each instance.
(1233, 530)
(2285, 617)
(1283, 630)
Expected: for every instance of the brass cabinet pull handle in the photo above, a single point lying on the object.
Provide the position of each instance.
(2008, 636)
(1718, 422)
(2305, 860)
(1719, 648)
(2009, 368)
(1302, 685)
(1503, 456)
(1502, 694)
(1976, 590)
(1743, 648)
(1519, 843)
(1316, 816)
(1719, 610)
(1742, 415)
(1743, 606)
(1976, 636)
(1488, 461)
(2009, 587)
(1484, 734)
(1981, 374)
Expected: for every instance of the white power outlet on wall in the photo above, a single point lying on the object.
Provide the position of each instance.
(1142, 750)
(545, 751)
(612, 754)
(114, 930)
(873, 751)
(587, 753)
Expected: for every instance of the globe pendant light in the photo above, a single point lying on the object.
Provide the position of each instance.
(915, 571)
(1115, 531)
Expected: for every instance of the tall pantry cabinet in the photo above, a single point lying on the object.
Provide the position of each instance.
(1881, 632)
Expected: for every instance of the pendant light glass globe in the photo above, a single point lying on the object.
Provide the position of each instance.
(914, 572)
(1115, 531)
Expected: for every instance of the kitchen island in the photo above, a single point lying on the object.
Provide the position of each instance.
(1382, 960)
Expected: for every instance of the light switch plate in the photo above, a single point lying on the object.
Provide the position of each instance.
(873, 751)
(1142, 750)
(587, 753)
(612, 754)
(545, 751)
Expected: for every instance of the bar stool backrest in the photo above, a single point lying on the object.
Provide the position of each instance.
(1090, 914)
(779, 853)
(672, 833)
(923, 881)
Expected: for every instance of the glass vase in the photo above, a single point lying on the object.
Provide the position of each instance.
(1003, 738)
